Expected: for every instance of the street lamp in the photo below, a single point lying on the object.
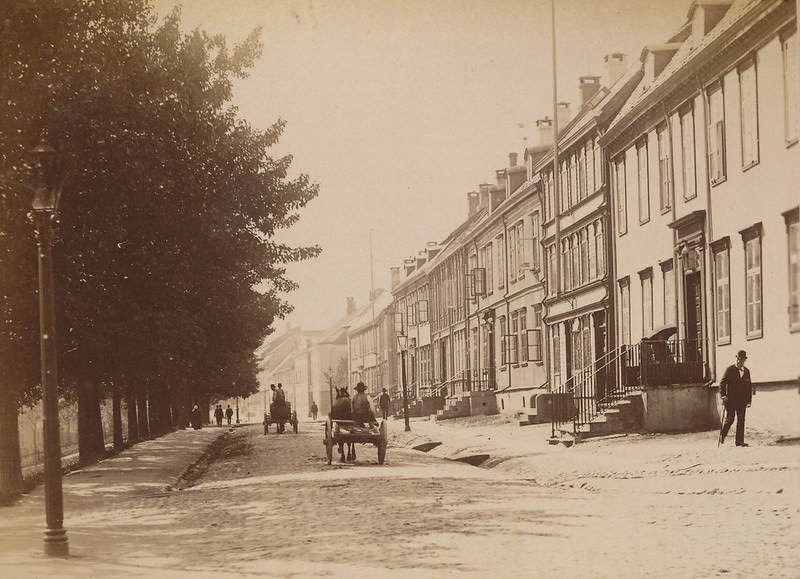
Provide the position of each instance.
(47, 192)
(402, 342)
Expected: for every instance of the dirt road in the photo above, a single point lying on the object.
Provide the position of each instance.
(270, 506)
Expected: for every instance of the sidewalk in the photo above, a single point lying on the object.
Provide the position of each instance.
(684, 463)
(145, 470)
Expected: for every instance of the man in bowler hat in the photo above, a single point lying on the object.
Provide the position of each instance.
(736, 391)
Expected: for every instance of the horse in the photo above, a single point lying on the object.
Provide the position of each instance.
(343, 410)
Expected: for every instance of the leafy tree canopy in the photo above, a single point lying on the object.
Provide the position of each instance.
(170, 204)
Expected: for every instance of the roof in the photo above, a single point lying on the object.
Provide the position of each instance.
(691, 50)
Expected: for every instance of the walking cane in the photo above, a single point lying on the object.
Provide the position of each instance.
(722, 425)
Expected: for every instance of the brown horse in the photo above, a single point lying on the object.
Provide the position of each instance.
(343, 410)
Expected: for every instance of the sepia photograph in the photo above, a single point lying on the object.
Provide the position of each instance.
(399, 288)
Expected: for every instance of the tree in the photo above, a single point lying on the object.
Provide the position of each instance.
(168, 215)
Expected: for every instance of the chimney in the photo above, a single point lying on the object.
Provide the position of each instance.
(484, 192)
(395, 276)
(351, 305)
(512, 159)
(589, 85)
(564, 115)
(616, 65)
(421, 258)
(473, 201)
(545, 129)
(432, 248)
(497, 194)
(409, 265)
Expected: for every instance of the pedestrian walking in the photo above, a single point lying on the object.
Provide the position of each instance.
(229, 413)
(219, 414)
(736, 392)
(195, 418)
(314, 410)
(383, 402)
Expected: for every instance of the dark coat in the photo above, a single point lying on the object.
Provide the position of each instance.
(739, 390)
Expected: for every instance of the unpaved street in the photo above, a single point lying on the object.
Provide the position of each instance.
(277, 507)
(270, 506)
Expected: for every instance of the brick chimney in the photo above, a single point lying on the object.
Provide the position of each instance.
(395, 276)
(473, 202)
(588, 85)
(545, 129)
(616, 65)
(512, 159)
(564, 115)
(351, 305)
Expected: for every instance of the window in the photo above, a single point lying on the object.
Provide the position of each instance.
(664, 170)
(410, 315)
(752, 257)
(668, 275)
(575, 260)
(486, 258)
(534, 337)
(563, 183)
(600, 248)
(501, 321)
(590, 181)
(748, 101)
(549, 200)
(716, 134)
(513, 266)
(552, 274)
(574, 194)
(646, 278)
(722, 290)
(422, 311)
(522, 355)
(644, 189)
(625, 310)
(479, 281)
(534, 263)
(598, 166)
(622, 202)
(791, 93)
(501, 262)
(583, 254)
(520, 249)
(687, 156)
(793, 238)
(566, 272)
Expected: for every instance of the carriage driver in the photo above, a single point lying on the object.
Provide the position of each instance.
(362, 409)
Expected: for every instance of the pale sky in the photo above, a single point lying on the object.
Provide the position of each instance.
(398, 109)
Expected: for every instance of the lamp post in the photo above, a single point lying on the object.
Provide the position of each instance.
(47, 191)
(402, 342)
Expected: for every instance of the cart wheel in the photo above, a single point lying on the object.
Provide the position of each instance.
(329, 440)
(382, 443)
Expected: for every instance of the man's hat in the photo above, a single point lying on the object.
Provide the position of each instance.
(360, 387)
(741, 354)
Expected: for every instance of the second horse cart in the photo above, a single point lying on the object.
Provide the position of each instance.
(280, 415)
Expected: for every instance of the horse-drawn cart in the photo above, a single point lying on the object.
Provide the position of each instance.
(341, 432)
(280, 415)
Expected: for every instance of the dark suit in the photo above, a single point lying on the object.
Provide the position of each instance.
(739, 390)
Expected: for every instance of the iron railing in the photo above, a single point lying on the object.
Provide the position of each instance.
(596, 388)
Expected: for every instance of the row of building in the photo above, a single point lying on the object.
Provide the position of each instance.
(666, 217)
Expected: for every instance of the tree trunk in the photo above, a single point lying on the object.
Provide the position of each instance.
(91, 445)
(144, 421)
(10, 459)
(133, 421)
(116, 404)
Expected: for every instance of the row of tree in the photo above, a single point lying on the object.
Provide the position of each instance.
(167, 271)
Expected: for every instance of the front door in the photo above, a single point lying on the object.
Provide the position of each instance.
(694, 317)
